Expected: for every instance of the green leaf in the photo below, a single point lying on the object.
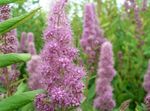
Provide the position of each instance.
(4, 2)
(21, 88)
(2, 89)
(140, 107)
(28, 107)
(8, 59)
(91, 92)
(14, 22)
(87, 106)
(18, 101)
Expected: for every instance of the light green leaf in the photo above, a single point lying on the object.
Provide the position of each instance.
(87, 106)
(2, 89)
(8, 59)
(91, 92)
(21, 88)
(18, 101)
(14, 22)
(28, 107)
(4, 2)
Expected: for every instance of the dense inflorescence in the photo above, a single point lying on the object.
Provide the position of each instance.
(32, 66)
(146, 83)
(31, 46)
(4, 12)
(92, 37)
(9, 41)
(34, 77)
(131, 5)
(62, 79)
(27, 43)
(22, 45)
(146, 86)
(104, 99)
(8, 44)
(144, 5)
(43, 103)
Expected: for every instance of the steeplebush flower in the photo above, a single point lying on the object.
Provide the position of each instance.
(23, 41)
(4, 12)
(9, 42)
(144, 5)
(62, 79)
(31, 46)
(12, 74)
(27, 43)
(104, 96)
(32, 66)
(146, 85)
(138, 20)
(43, 103)
(129, 4)
(92, 37)
(34, 77)
(132, 5)
(139, 24)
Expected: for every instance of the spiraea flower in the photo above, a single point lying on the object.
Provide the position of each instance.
(132, 5)
(31, 46)
(62, 79)
(34, 81)
(34, 77)
(137, 17)
(27, 43)
(9, 42)
(23, 42)
(129, 4)
(104, 96)
(146, 85)
(92, 37)
(4, 12)
(43, 103)
(144, 5)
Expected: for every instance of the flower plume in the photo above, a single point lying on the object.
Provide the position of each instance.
(92, 37)
(62, 79)
(104, 99)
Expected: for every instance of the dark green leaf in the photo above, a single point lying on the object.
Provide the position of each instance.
(14, 22)
(8, 59)
(18, 101)
(4, 2)
(28, 107)
(21, 88)
(87, 106)
(2, 89)
(91, 92)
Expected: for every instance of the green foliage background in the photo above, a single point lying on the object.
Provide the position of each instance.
(35, 25)
(120, 29)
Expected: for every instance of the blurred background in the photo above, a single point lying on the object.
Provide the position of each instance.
(75, 11)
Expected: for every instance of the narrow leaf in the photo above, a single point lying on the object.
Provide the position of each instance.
(2, 89)
(18, 101)
(14, 22)
(28, 107)
(8, 59)
(21, 88)
(4, 2)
